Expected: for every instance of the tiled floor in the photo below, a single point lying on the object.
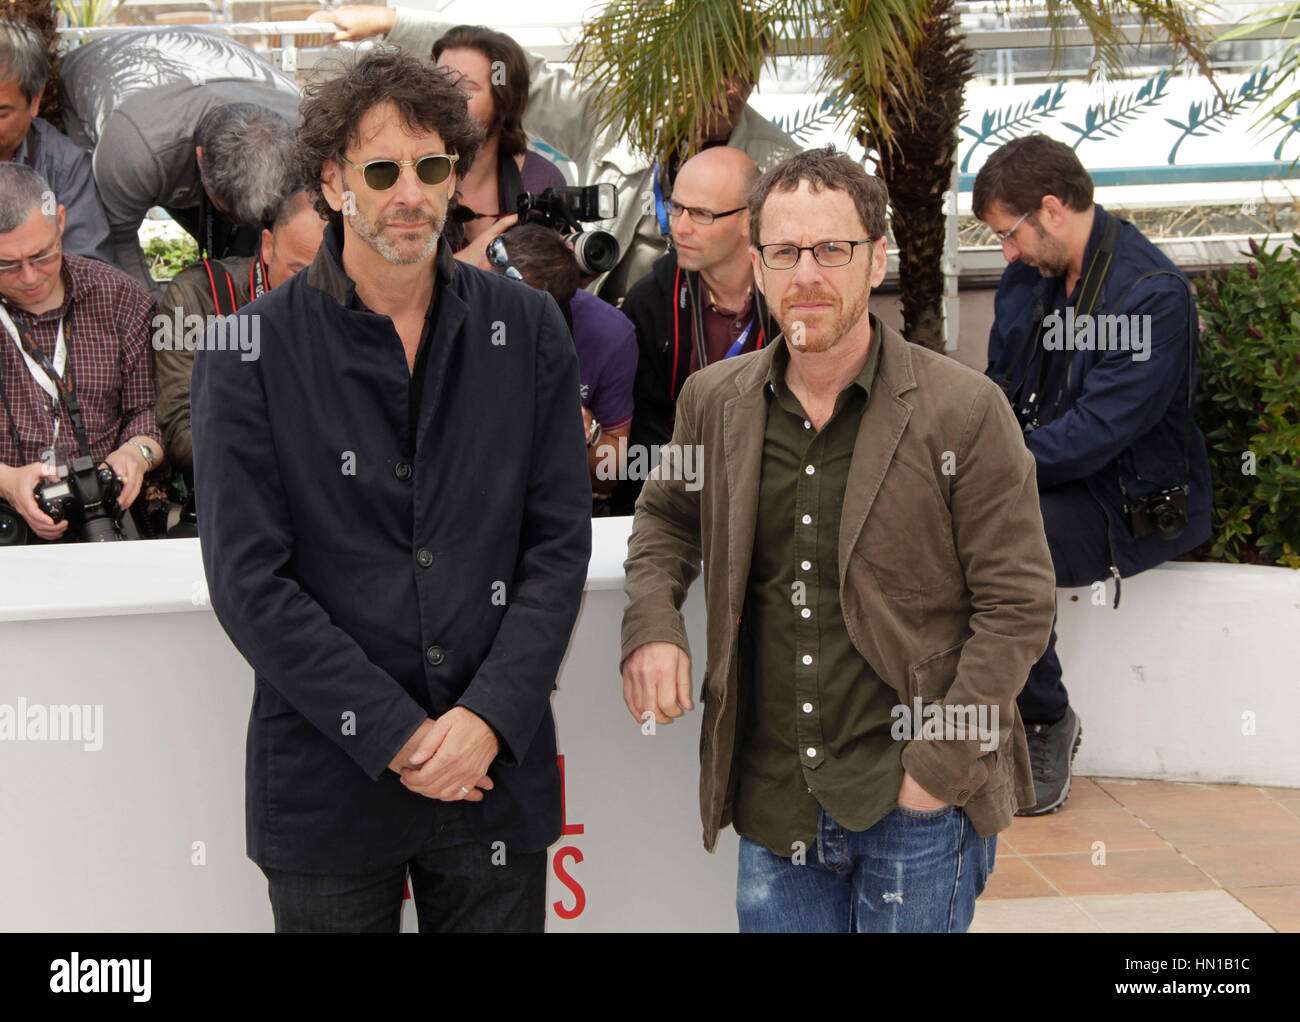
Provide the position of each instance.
(1150, 856)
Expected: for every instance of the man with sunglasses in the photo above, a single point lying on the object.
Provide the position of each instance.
(90, 323)
(395, 520)
(1107, 414)
(697, 305)
(872, 548)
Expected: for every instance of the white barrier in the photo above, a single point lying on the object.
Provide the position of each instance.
(147, 832)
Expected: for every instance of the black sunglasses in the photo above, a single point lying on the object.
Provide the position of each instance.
(383, 174)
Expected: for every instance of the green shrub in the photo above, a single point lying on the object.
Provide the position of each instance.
(1248, 404)
(168, 256)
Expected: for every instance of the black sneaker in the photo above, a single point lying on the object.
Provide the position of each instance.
(1051, 751)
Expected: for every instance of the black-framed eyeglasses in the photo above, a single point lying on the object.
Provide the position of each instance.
(40, 263)
(700, 216)
(827, 253)
(1004, 237)
(383, 174)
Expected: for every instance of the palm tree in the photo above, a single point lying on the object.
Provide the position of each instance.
(895, 68)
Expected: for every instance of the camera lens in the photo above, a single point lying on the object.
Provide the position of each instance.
(13, 530)
(595, 251)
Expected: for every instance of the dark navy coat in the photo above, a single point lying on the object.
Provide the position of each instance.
(372, 582)
(1119, 418)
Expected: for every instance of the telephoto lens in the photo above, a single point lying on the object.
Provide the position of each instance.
(13, 528)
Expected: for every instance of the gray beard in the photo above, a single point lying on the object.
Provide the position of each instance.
(367, 232)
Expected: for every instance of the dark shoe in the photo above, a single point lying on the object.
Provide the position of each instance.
(1051, 751)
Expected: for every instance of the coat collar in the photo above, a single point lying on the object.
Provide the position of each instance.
(744, 423)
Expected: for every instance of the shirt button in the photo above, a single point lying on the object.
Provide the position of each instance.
(807, 658)
(434, 655)
(807, 424)
(812, 753)
(810, 470)
(806, 565)
(807, 707)
(402, 470)
(424, 557)
(806, 612)
(807, 519)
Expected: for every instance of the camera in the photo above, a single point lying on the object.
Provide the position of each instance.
(86, 497)
(13, 527)
(1164, 512)
(565, 209)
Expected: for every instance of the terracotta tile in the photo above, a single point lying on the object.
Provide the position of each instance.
(1277, 906)
(1171, 912)
(1013, 877)
(1143, 795)
(1289, 797)
(1085, 795)
(1219, 820)
(1148, 871)
(1275, 864)
(1075, 831)
(1031, 915)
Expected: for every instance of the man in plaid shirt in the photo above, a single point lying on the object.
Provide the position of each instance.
(92, 322)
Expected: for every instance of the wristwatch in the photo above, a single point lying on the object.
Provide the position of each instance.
(593, 434)
(147, 451)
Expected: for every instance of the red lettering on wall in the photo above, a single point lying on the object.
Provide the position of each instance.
(567, 828)
(579, 895)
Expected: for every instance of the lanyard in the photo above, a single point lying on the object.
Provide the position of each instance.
(740, 341)
(257, 278)
(33, 367)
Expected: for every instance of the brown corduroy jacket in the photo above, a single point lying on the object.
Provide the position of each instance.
(946, 581)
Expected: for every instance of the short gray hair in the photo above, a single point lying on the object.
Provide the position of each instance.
(23, 56)
(248, 161)
(21, 191)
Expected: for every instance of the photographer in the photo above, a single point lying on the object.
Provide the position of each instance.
(76, 378)
(188, 120)
(493, 74)
(1094, 343)
(604, 337)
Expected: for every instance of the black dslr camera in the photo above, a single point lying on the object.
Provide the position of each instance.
(1164, 512)
(565, 209)
(86, 497)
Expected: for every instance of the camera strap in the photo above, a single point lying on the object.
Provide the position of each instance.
(1191, 369)
(509, 184)
(51, 376)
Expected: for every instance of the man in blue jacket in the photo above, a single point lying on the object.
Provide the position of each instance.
(395, 519)
(1094, 343)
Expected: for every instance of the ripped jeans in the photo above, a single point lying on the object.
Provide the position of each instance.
(913, 872)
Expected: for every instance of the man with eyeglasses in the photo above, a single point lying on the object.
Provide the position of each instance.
(31, 140)
(395, 519)
(873, 559)
(89, 323)
(697, 305)
(1094, 343)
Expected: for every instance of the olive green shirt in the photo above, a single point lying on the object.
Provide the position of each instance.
(815, 718)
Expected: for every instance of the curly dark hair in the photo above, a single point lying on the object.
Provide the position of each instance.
(426, 98)
(509, 91)
(824, 169)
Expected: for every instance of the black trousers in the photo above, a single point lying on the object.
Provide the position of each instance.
(1076, 535)
(460, 884)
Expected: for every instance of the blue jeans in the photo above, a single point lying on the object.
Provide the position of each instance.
(455, 883)
(913, 872)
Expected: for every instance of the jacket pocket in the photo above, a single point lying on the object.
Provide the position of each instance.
(932, 677)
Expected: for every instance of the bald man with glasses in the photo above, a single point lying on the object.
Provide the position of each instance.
(698, 305)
